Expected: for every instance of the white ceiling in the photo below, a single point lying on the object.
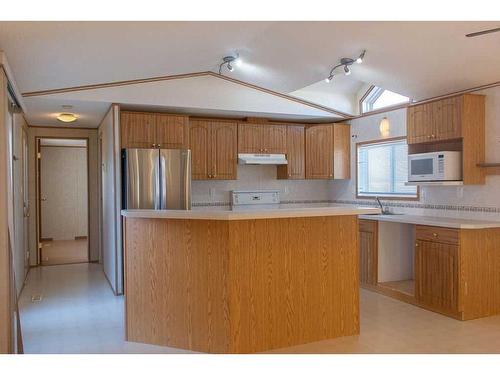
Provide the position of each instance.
(416, 59)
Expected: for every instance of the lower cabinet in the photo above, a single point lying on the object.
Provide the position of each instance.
(436, 275)
(368, 252)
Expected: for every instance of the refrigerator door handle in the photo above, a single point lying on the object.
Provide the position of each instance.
(162, 182)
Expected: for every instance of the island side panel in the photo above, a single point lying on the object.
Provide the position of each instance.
(175, 283)
(480, 272)
(292, 281)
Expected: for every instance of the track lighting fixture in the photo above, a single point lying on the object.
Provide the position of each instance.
(345, 62)
(230, 62)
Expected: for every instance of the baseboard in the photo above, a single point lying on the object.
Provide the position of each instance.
(46, 239)
(80, 237)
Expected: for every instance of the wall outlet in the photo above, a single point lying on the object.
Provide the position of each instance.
(460, 192)
(211, 193)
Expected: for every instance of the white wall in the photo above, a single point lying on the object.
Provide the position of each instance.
(258, 177)
(64, 182)
(467, 201)
(111, 218)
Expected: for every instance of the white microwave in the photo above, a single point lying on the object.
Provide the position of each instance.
(435, 166)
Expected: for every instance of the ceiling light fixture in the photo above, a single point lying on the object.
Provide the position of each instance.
(230, 62)
(67, 117)
(345, 62)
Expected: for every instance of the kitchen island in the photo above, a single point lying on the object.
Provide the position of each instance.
(222, 281)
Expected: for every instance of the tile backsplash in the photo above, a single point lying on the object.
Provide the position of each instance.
(259, 177)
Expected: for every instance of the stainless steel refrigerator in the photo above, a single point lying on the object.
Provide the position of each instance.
(157, 179)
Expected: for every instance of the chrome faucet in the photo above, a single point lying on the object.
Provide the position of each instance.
(384, 210)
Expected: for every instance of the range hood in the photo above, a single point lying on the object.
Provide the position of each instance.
(259, 159)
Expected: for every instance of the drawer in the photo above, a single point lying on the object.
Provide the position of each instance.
(438, 234)
(367, 225)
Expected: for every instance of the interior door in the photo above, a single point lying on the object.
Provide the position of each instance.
(26, 206)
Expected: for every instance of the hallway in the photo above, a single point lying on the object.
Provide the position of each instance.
(77, 313)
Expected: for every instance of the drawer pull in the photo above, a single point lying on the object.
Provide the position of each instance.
(435, 234)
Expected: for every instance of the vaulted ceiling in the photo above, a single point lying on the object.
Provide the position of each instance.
(416, 59)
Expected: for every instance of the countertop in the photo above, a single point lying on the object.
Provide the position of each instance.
(435, 221)
(225, 213)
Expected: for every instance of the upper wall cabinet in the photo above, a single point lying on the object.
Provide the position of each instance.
(213, 147)
(261, 138)
(138, 130)
(172, 131)
(295, 154)
(439, 120)
(328, 151)
(153, 130)
(451, 124)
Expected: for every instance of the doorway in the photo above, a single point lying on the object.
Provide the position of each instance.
(63, 200)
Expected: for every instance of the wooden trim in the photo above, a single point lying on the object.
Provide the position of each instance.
(38, 147)
(395, 198)
(63, 146)
(183, 76)
(80, 238)
(365, 95)
(112, 84)
(59, 127)
(423, 101)
(42, 239)
(284, 96)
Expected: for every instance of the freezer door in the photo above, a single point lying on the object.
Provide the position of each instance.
(175, 179)
(142, 180)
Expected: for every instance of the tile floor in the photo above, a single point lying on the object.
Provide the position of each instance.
(78, 313)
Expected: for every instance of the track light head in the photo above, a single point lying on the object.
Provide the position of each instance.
(359, 60)
(346, 62)
(229, 61)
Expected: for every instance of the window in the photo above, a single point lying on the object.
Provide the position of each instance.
(383, 170)
(377, 98)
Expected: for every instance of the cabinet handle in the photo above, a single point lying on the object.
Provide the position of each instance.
(416, 244)
(433, 136)
(435, 234)
(154, 145)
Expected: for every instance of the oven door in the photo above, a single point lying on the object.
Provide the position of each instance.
(422, 168)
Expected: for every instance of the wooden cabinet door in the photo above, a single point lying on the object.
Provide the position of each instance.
(172, 131)
(199, 139)
(319, 152)
(341, 151)
(223, 150)
(420, 123)
(436, 275)
(250, 139)
(447, 118)
(295, 154)
(137, 130)
(368, 252)
(273, 139)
